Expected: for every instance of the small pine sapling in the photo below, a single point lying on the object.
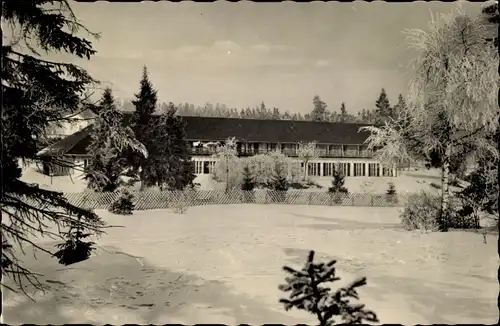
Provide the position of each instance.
(338, 188)
(307, 292)
(123, 205)
(279, 183)
(74, 249)
(391, 194)
(248, 185)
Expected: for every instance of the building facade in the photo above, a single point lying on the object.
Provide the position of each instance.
(339, 145)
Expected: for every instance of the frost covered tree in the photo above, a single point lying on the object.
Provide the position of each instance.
(307, 152)
(37, 92)
(453, 97)
(228, 167)
(310, 289)
(107, 163)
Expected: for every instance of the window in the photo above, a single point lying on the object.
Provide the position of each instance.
(198, 167)
(345, 169)
(313, 169)
(359, 169)
(387, 172)
(327, 169)
(373, 170)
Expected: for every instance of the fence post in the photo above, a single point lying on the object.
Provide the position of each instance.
(352, 199)
(371, 201)
(310, 198)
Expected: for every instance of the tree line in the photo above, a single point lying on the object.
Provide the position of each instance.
(382, 111)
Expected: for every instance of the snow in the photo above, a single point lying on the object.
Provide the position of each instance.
(222, 264)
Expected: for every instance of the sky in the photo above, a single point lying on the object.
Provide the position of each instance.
(243, 53)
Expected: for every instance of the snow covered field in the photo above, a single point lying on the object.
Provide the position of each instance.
(222, 264)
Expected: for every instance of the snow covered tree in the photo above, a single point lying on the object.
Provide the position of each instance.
(228, 166)
(143, 126)
(320, 111)
(453, 98)
(309, 289)
(37, 92)
(106, 159)
(307, 152)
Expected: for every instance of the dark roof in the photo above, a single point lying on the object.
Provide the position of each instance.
(251, 130)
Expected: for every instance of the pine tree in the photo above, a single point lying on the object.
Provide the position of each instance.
(391, 194)
(309, 289)
(74, 249)
(343, 113)
(338, 190)
(248, 182)
(142, 124)
(123, 205)
(320, 111)
(248, 185)
(383, 108)
(279, 183)
(174, 166)
(35, 93)
(106, 160)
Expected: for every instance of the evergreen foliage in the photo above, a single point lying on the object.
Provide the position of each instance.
(320, 111)
(248, 182)
(106, 159)
(74, 249)
(383, 109)
(279, 183)
(144, 127)
(307, 291)
(338, 190)
(391, 194)
(37, 92)
(123, 205)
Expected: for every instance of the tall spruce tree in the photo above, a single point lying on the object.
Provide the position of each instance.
(106, 162)
(35, 93)
(383, 108)
(142, 124)
(176, 149)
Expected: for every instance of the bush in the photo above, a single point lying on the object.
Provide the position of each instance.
(123, 205)
(421, 211)
(307, 292)
(391, 195)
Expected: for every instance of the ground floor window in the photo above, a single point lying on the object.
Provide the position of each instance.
(203, 167)
(359, 169)
(345, 169)
(198, 167)
(373, 170)
(328, 169)
(314, 169)
(387, 172)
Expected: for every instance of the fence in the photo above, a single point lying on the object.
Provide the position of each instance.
(144, 200)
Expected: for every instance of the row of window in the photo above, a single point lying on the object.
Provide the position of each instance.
(314, 169)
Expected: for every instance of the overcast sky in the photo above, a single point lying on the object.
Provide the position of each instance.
(242, 53)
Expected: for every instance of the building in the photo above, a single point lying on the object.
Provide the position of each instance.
(339, 144)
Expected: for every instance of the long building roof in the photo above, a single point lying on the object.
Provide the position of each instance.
(248, 130)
